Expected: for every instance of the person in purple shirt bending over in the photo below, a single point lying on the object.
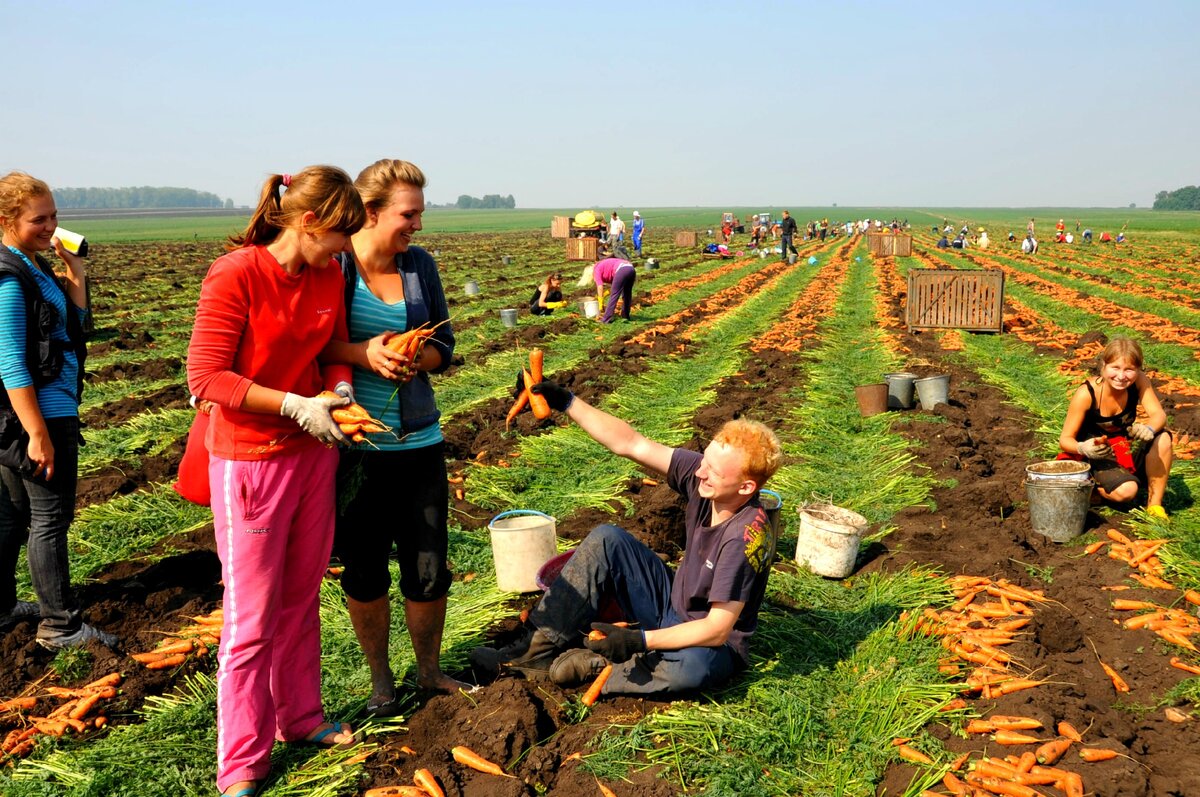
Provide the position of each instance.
(687, 631)
(619, 275)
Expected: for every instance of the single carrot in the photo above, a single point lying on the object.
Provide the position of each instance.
(86, 704)
(1122, 605)
(518, 406)
(1118, 682)
(957, 764)
(1026, 762)
(1072, 785)
(407, 750)
(955, 785)
(18, 704)
(576, 756)
(168, 662)
(1008, 723)
(1093, 754)
(1192, 597)
(425, 779)
(146, 658)
(111, 679)
(1006, 737)
(593, 692)
(1095, 546)
(396, 791)
(1068, 730)
(1013, 685)
(537, 402)
(180, 646)
(469, 758)
(954, 705)
(912, 754)
(1002, 787)
(1179, 664)
(1117, 536)
(1051, 751)
(536, 361)
(106, 692)
(979, 726)
(596, 636)
(605, 791)
(649, 483)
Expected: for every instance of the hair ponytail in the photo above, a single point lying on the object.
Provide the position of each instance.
(325, 191)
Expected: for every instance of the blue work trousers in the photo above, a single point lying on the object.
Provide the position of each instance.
(610, 558)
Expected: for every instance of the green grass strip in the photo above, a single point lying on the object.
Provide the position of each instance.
(1181, 556)
(836, 453)
(146, 434)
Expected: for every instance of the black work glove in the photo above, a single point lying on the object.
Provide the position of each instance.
(619, 644)
(557, 396)
(519, 388)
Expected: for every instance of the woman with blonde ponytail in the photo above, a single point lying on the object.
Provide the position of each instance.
(267, 310)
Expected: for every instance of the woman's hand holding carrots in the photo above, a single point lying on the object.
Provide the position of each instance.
(385, 362)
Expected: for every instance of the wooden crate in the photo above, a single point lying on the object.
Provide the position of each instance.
(889, 244)
(970, 299)
(583, 248)
(560, 227)
(687, 238)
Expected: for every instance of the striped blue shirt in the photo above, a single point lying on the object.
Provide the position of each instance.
(56, 399)
(370, 316)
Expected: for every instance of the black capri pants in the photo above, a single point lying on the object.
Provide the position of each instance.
(393, 498)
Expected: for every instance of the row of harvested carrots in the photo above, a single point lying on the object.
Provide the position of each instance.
(986, 617)
(79, 712)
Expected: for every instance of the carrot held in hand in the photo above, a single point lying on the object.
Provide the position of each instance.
(536, 360)
(537, 402)
(469, 758)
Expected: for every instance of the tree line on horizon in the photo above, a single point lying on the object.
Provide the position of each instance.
(1186, 198)
(144, 196)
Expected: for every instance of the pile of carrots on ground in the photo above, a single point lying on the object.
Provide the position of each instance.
(1175, 626)
(1012, 775)
(426, 783)
(190, 641)
(79, 712)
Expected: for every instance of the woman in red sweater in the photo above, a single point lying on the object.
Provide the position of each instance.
(266, 311)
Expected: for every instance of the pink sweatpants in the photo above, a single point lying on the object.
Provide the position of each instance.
(274, 525)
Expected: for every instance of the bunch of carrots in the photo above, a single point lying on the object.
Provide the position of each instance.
(537, 404)
(78, 713)
(410, 343)
(190, 641)
(354, 420)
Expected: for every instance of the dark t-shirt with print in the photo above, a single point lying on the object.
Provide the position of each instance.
(721, 563)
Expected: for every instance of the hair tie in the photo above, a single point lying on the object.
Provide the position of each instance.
(287, 180)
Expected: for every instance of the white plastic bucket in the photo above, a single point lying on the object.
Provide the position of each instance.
(591, 308)
(522, 541)
(829, 537)
(1061, 470)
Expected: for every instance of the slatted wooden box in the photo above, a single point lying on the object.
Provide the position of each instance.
(686, 238)
(560, 227)
(583, 248)
(970, 299)
(889, 244)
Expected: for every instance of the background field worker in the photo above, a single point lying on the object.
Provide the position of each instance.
(688, 632)
(616, 229)
(983, 239)
(548, 296)
(1030, 245)
(787, 232)
(1103, 427)
(639, 228)
(616, 275)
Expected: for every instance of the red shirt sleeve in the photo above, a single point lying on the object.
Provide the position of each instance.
(221, 319)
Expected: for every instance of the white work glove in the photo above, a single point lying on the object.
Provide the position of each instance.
(1142, 431)
(313, 415)
(1094, 450)
(346, 390)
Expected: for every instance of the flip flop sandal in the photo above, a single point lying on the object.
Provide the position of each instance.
(319, 738)
(248, 791)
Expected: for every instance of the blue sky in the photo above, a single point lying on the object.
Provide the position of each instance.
(616, 103)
